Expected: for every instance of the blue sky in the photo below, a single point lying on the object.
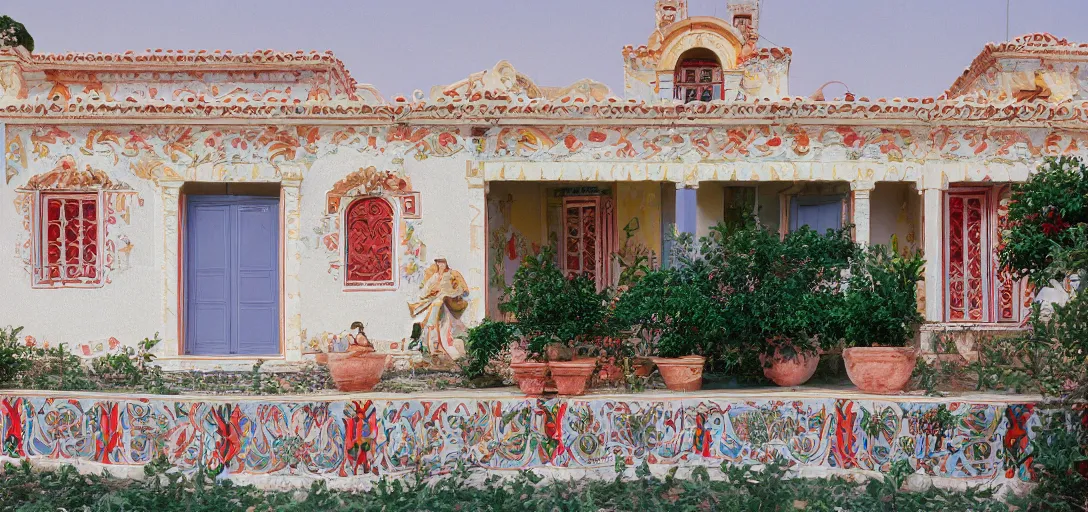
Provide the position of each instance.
(878, 47)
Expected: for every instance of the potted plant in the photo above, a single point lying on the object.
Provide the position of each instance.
(674, 308)
(780, 293)
(554, 313)
(879, 315)
(359, 368)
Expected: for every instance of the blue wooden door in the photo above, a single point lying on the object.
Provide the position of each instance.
(819, 213)
(232, 276)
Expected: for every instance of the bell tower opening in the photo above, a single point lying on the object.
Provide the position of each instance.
(698, 76)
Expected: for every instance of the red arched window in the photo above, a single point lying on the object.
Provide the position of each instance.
(370, 242)
(698, 77)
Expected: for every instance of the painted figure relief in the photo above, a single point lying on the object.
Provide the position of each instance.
(442, 300)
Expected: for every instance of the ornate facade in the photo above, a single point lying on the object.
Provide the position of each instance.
(104, 155)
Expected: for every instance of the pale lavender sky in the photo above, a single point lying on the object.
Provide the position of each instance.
(879, 47)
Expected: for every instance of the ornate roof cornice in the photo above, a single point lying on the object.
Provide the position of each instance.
(1029, 45)
(543, 111)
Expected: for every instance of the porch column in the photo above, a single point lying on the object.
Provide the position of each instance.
(475, 276)
(171, 244)
(687, 209)
(292, 262)
(863, 190)
(932, 234)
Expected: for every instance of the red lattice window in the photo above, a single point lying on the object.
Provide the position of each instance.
(588, 238)
(698, 80)
(370, 240)
(69, 251)
(977, 289)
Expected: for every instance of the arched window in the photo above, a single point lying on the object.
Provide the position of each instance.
(369, 241)
(698, 76)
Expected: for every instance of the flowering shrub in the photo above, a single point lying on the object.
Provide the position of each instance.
(1048, 216)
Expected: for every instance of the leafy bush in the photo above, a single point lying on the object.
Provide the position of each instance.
(483, 343)
(13, 33)
(673, 306)
(773, 488)
(1047, 215)
(550, 307)
(13, 354)
(780, 293)
(880, 304)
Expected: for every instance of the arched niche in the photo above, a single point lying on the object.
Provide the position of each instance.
(700, 32)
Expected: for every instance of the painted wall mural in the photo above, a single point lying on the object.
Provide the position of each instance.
(384, 436)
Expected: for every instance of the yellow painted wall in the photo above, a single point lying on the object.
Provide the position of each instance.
(895, 210)
(710, 200)
(641, 200)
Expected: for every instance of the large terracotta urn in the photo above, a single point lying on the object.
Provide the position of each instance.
(530, 376)
(357, 370)
(880, 370)
(790, 372)
(681, 373)
(571, 376)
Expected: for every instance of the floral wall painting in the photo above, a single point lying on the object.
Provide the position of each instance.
(442, 300)
(976, 442)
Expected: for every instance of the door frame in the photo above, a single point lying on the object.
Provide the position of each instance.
(183, 226)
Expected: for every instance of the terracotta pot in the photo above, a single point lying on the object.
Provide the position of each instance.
(571, 376)
(681, 373)
(321, 358)
(356, 370)
(530, 376)
(880, 370)
(790, 372)
(643, 367)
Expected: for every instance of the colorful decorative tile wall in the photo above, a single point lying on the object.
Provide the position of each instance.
(389, 437)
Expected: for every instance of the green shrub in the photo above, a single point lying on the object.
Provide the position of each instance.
(14, 355)
(880, 304)
(780, 293)
(484, 342)
(1046, 219)
(13, 33)
(550, 307)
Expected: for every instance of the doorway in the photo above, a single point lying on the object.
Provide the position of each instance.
(231, 273)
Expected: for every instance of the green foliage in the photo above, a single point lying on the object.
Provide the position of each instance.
(13, 354)
(1047, 217)
(880, 304)
(13, 33)
(484, 342)
(772, 488)
(780, 293)
(1051, 358)
(550, 307)
(674, 307)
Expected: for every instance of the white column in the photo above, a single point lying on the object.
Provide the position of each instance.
(476, 275)
(292, 263)
(171, 244)
(933, 234)
(863, 190)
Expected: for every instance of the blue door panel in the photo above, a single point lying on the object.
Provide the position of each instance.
(255, 278)
(818, 213)
(232, 276)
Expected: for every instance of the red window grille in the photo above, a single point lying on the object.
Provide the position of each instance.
(69, 251)
(977, 288)
(588, 238)
(370, 242)
(698, 80)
